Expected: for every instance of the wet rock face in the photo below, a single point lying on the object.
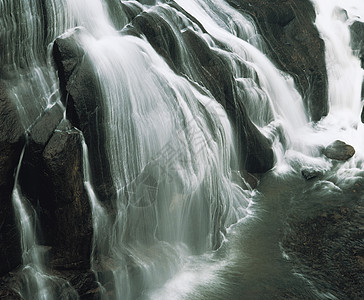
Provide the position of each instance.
(294, 44)
(65, 206)
(339, 150)
(82, 97)
(30, 177)
(357, 40)
(11, 144)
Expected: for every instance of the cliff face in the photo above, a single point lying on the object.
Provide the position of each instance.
(52, 172)
(295, 46)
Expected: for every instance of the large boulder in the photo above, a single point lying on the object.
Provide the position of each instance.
(339, 150)
(83, 100)
(11, 143)
(294, 45)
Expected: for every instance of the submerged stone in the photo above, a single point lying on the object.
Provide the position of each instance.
(339, 150)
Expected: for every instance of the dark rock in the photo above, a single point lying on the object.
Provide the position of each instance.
(122, 13)
(11, 143)
(309, 173)
(65, 209)
(161, 36)
(67, 55)
(82, 95)
(357, 40)
(362, 115)
(255, 149)
(329, 247)
(339, 150)
(7, 293)
(38, 136)
(12, 139)
(294, 44)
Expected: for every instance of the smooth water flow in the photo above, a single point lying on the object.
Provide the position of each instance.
(180, 225)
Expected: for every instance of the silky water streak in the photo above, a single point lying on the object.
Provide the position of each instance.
(170, 148)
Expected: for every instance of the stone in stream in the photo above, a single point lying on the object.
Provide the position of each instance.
(339, 150)
(309, 173)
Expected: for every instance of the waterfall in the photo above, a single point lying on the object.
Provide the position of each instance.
(167, 113)
(169, 167)
(345, 78)
(171, 148)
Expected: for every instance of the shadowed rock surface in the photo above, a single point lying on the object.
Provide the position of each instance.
(65, 206)
(11, 144)
(82, 98)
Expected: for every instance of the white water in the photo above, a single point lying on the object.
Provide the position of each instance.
(171, 146)
(171, 169)
(345, 78)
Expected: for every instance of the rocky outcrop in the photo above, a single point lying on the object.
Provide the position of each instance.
(294, 44)
(83, 100)
(11, 144)
(38, 136)
(339, 150)
(65, 208)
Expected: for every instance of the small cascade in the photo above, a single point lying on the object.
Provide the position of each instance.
(35, 282)
(345, 78)
(167, 199)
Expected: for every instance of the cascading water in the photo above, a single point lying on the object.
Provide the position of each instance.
(35, 282)
(179, 224)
